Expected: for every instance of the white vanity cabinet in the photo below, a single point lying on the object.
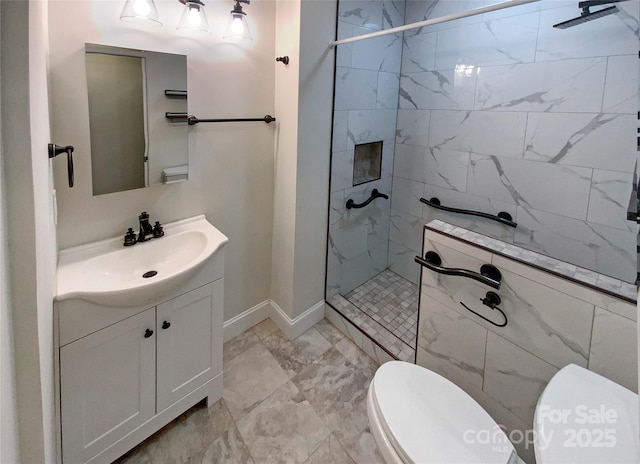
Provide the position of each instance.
(125, 372)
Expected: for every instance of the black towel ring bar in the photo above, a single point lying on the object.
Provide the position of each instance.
(492, 300)
(502, 217)
(374, 194)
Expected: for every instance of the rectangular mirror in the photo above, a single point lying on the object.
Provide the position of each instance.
(133, 145)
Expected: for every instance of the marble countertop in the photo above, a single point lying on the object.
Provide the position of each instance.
(610, 285)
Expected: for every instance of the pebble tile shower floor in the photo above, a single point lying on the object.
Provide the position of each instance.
(284, 401)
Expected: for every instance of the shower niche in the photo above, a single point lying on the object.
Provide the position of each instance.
(367, 162)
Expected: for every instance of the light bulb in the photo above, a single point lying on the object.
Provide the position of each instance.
(236, 26)
(141, 7)
(194, 18)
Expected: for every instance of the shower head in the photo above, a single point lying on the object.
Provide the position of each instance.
(586, 16)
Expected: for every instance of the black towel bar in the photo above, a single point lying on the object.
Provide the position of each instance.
(192, 120)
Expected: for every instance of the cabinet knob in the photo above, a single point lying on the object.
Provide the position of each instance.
(148, 333)
(166, 324)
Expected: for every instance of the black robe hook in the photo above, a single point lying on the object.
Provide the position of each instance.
(55, 150)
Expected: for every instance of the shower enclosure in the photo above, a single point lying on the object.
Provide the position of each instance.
(498, 112)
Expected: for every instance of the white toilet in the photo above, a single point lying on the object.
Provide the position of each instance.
(418, 416)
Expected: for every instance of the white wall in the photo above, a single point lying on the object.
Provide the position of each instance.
(231, 165)
(32, 239)
(9, 444)
(304, 95)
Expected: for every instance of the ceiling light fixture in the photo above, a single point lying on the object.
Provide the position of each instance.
(193, 16)
(237, 27)
(140, 9)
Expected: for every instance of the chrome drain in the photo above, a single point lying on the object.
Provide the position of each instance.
(149, 274)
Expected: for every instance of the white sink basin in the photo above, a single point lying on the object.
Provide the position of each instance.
(111, 274)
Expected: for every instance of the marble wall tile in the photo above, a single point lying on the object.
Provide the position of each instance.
(406, 230)
(419, 52)
(514, 377)
(413, 127)
(621, 85)
(503, 41)
(446, 168)
(444, 90)
(611, 251)
(392, 13)
(349, 242)
(361, 268)
(614, 351)
(379, 54)
(341, 170)
(283, 428)
(401, 262)
(363, 13)
(355, 89)
(410, 162)
(345, 51)
(406, 196)
(371, 126)
(509, 180)
(587, 140)
(451, 344)
(388, 84)
(489, 133)
(336, 209)
(552, 86)
(610, 193)
(516, 10)
(621, 31)
(422, 10)
(462, 200)
(545, 322)
(340, 125)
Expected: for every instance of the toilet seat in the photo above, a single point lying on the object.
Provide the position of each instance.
(418, 416)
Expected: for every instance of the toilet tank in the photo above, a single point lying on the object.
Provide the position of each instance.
(582, 417)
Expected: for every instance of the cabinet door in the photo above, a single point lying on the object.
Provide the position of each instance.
(189, 342)
(107, 385)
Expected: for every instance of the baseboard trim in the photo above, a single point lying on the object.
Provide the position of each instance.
(292, 328)
(247, 319)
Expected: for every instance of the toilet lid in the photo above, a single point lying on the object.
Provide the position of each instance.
(429, 419)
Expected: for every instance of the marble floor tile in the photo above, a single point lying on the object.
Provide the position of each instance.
(179, 440)
(249, 378)
(328, 331)
(330, 451)
(294, 355)
(318, 417)
(283, 429)
(337, 390)
(265, 328)
(363, 450)
(229, 448)
(238, 344)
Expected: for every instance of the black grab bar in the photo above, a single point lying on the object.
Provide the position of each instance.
(503, 217)
(192, 120)
(374, 194)
(489, 274)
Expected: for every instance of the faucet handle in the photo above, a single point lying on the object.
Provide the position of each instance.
(158, 231)
(130, 238)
